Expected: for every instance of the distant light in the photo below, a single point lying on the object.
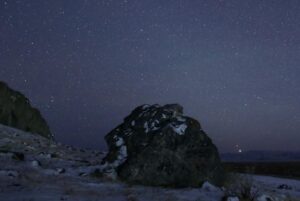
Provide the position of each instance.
(240, 150)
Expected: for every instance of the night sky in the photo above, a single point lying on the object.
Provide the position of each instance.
(233, 65)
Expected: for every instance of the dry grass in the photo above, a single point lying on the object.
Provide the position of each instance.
(241, 186)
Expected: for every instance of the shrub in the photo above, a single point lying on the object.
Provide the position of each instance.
(241, 186)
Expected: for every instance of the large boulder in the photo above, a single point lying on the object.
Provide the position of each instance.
(158, 145)
(16, 111)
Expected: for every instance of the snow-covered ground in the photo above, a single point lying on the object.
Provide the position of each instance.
(35, 169)
(280, 186)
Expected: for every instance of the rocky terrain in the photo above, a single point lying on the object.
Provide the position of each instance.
(36, 168)
(154, 146)
(16, 111)
(158, 145)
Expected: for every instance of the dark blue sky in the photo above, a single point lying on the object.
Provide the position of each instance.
(233, 65)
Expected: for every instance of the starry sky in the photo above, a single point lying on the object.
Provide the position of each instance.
(233, 65)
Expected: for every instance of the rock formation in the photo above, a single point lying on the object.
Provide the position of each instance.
(16, 111)
(158, 145)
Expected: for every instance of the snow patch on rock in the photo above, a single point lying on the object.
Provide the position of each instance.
(181, 119)
(146, 127)
(133, 123)
(119, 141)
(179, 129)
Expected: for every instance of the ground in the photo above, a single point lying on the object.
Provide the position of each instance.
(34, 168)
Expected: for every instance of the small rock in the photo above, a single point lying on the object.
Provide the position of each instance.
(60, 170)
(37, 141)
(42, 153)
(232, 199)
(209, 187)
(52, 155)
(13, 174)
(265, 198)
(96, 173)
(36, 163)
(18, 156)
(15, 185)
(284, 187)
(83, 174)
(9, 173)
(272, 197)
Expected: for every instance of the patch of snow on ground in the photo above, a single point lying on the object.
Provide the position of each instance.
(271, 184)
(209, 187)
(19, 181)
